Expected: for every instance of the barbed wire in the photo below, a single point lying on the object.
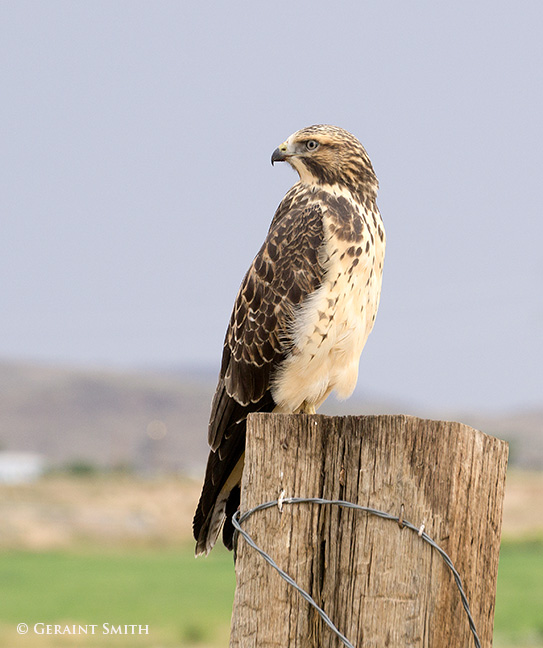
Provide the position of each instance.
(238, 519)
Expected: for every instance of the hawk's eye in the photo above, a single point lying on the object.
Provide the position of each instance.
(311, 145)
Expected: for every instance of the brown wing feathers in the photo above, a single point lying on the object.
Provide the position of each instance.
(283, 273)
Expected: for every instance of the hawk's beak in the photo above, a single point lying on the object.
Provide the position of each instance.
(279, 155)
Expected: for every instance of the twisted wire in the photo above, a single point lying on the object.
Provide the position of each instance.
(238, 519)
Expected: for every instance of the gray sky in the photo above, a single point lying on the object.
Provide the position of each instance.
(136, 183)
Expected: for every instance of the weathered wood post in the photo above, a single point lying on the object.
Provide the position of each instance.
(380, 584)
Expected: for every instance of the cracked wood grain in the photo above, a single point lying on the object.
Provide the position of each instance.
(380, 584)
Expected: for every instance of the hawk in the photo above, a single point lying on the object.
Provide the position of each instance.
(303, 312)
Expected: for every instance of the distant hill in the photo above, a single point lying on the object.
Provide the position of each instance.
(110, 419)
(157, 420)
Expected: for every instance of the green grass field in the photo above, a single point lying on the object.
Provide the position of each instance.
(184, 602)
(519, 602)
(187, 602)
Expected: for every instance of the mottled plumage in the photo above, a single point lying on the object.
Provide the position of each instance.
(303, 312)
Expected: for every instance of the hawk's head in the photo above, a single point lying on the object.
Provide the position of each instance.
(328, 155)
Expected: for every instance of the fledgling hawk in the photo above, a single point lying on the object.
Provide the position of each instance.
(303, 312)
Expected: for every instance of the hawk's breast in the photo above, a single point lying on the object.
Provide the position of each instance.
(330, 328)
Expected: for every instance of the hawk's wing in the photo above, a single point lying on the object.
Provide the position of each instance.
(283, 273)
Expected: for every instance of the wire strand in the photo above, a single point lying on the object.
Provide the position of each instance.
(238, 519)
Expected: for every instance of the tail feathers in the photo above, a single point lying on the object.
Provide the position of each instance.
(209, 531)
(220, 492)
(214, 508)
(232, 505)
(219, 518)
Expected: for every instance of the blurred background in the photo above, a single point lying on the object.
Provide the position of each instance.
(135, 189)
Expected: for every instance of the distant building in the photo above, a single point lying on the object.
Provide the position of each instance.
(20, 467)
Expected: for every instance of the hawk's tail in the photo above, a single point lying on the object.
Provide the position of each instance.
(216, 506)
(221, 490)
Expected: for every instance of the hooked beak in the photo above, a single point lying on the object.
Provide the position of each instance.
(279, 155)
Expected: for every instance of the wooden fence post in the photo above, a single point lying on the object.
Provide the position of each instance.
(380, 584)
